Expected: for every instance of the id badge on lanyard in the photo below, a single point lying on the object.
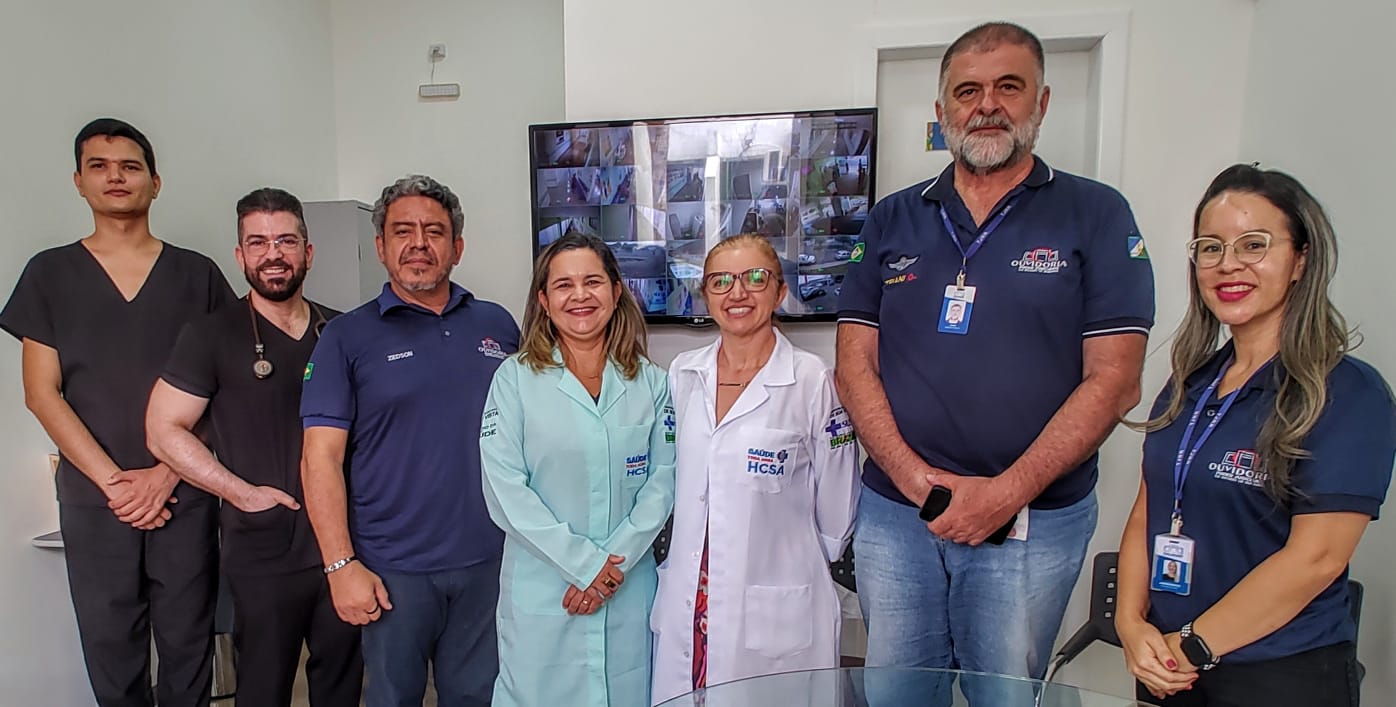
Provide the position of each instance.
(1174, 553)
(958, 305)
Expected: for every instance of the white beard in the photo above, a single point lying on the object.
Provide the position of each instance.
(985, 154)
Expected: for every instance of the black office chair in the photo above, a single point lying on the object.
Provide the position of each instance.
(1100, 624)
(661, 542)
(842, 570)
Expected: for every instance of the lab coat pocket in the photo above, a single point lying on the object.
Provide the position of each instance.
(778, 620)
(633, 441)
(770, 458)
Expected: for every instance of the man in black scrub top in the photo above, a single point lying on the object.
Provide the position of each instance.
(244, 364)
(96, 319)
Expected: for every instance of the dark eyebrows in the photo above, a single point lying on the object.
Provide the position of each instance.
(98, 159)
(428, 226)
(584, 277)
(1246, 232)
(977, 84)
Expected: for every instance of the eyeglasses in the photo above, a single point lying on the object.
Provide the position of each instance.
(1250, 248)
(256, 245)
(753, 280)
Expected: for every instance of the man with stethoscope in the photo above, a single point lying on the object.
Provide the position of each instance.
(243, 365)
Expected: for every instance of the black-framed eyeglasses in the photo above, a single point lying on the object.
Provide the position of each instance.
(257, 245)
(753, 280)
(1250, 248)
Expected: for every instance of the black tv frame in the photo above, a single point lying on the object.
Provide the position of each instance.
(703, 319)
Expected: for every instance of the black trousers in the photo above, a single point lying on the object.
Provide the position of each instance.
(1323, 677)
(272, 617)
(128, 583)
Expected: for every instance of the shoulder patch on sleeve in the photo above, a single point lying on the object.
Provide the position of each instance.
(1137, 249)
(857, 255)
(669, 424)
(489, 425)
(840, 429)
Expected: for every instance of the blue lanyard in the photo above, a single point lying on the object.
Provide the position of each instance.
(974, 246)
(1183, 464)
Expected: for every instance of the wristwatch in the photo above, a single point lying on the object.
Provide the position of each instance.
(1196, 650)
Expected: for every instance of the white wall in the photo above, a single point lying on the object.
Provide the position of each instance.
(1185, 81)
(319, 97)
(1300, 52)
(507, 58)
(904, 103)
(233, 96)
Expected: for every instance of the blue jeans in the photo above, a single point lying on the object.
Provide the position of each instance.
(996, 609)
(445, 618)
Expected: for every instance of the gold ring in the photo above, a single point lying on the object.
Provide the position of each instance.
(610, 583)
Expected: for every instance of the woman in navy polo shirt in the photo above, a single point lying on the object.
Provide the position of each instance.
(1263, 464)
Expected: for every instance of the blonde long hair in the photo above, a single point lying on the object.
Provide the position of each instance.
(625, 333)
(1314, 337)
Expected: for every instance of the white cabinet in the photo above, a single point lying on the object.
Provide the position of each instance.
(346, 271)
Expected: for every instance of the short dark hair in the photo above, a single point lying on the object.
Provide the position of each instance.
(271, 200)
(419, 185)
(111, 127)
(990, 35)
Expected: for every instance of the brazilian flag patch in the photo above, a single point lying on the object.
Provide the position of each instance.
(309, 368)
(857, 256)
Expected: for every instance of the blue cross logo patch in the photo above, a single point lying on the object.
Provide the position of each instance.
(840, 429)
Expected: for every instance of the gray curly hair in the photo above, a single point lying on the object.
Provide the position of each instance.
(419, 185)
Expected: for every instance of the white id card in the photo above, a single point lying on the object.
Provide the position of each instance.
(1172, 566)
(955, 310)
(1020, 526)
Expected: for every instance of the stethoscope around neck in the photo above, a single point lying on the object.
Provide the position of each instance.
(262, 368)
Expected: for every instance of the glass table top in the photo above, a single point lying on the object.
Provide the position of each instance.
(895, 687)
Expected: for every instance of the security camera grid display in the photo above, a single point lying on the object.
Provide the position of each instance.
(661, 193)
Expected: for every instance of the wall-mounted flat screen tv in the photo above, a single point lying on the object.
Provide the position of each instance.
(661, 192)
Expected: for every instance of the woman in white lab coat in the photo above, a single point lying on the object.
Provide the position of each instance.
(577, 452)
(767, 487)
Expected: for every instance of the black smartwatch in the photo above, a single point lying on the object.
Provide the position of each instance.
(1195, 649)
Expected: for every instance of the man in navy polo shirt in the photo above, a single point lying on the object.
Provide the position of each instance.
(991, 334)
(391, 392)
